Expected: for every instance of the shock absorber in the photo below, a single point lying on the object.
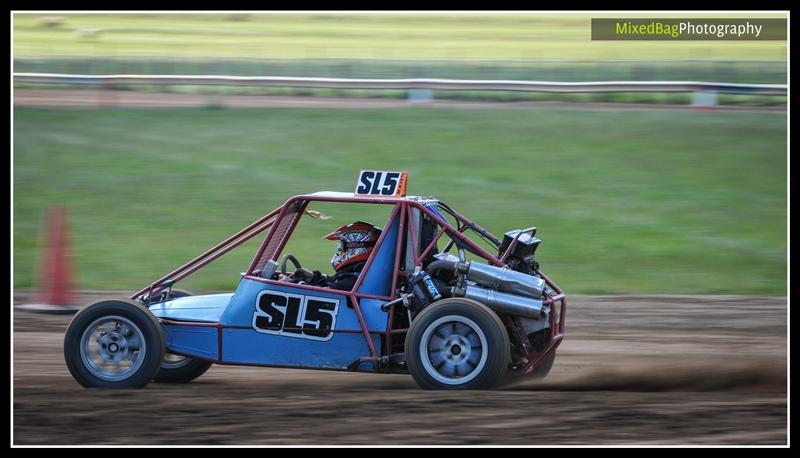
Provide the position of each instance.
(423, 290)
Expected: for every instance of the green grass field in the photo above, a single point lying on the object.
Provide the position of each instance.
(434, 36)
(626, 202)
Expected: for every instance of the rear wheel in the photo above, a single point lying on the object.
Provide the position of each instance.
(457, 344)
(179, 368)
(114, 344)
(543, 369)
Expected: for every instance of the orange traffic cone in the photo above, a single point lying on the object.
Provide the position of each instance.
(55, 295)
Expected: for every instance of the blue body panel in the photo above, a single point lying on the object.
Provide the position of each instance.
(243, 343)
(197, 341)
(208, 308)
(378, 280)
(284, 324)
(249, 347)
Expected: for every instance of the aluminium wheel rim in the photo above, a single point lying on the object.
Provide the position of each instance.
(453, 350)
(113, 348)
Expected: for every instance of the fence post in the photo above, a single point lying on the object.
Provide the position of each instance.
(420, 96)
(704, 99)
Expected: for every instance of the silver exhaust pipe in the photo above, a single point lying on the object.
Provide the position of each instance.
(498, 278)
(503, 302)
(505, 279)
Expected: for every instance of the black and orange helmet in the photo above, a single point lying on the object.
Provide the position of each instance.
(356, 241)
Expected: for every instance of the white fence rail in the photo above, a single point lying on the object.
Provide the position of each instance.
(419, 88)
(408, 83)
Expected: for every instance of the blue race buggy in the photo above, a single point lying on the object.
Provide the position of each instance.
(457, 318)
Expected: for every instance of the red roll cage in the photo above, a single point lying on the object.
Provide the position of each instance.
(282, 221)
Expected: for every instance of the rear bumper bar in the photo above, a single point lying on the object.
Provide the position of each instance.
(558, 313)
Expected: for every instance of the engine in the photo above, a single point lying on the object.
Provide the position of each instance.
(521, 257)
(513, 290)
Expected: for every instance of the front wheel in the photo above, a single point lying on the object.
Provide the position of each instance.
(457, 344)
(114, 344)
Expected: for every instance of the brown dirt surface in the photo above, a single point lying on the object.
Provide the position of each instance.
(667, 370)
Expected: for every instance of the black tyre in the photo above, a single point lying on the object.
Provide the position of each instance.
(179, 368)
(457, 344)
(114, 344)
(544, 368)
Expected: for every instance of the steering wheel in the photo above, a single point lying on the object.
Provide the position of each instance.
(289, 257)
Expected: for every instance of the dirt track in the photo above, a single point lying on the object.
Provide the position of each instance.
(632, 370)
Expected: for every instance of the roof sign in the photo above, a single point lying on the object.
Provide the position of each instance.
(378, 183)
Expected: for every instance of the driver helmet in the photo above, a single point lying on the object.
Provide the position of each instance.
(356, 241)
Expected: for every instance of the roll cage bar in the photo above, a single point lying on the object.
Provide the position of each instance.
(282, 221)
